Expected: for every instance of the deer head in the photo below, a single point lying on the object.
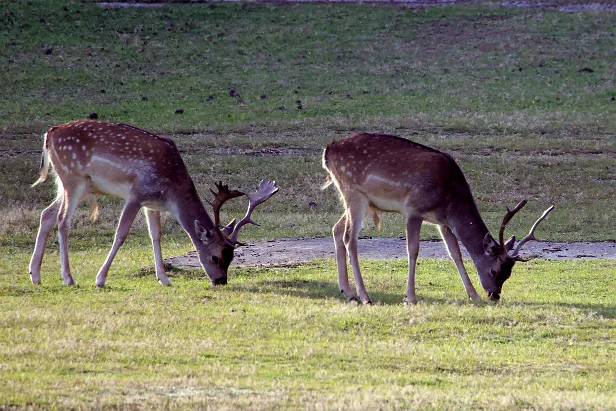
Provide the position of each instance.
(217, 245)
(502, 256)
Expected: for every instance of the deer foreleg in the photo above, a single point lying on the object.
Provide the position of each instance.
(413, 228)
(341, 259)
(126, 220)
(70, 202)
(453, 248)
(49, 217)
(153, 219)
(354, 217)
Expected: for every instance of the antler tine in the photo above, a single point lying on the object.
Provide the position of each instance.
(508, 216)
(265, 190)
(531, 234)
(220, 197)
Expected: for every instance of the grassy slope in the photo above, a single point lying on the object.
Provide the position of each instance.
(498, 88)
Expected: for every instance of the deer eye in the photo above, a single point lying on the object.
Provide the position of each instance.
(215, 259)
(493, 272)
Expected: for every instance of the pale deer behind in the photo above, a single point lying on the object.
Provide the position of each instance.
(94, 158)
(375, 172)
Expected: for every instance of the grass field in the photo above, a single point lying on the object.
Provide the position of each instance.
(505, 90)
(283, 338)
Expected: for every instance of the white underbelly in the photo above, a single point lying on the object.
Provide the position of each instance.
(104, 186)
(386, 204)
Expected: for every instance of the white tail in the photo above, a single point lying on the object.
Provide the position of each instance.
(94, 158)
(376, 172)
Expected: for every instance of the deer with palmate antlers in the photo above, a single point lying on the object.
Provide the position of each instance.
(93, 158)
(376, 172)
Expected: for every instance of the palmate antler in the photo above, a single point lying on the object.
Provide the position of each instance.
(265, 190)
(220, 197)
(531, 235)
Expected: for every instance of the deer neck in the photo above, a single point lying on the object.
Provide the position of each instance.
(188, 209)
(470, 229)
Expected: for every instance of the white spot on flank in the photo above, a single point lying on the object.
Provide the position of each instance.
(380, 179)
(77, 140)
(72, 164)
(83, 148)
(70, 147)
(74, 156)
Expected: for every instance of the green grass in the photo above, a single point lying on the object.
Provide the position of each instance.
(284, 338)
(459, 65)
(499, 88)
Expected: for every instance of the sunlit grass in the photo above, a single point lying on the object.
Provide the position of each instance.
(285, 338)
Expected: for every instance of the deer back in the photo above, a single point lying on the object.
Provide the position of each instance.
(396, 174)
(117, 159)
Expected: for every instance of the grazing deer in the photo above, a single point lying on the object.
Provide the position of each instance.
(94, 158)
(376, 172)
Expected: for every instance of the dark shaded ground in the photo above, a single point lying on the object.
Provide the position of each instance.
(290, 251)
(560, 5)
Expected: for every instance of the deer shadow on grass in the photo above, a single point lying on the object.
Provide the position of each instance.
(316, 290)
(322, 290)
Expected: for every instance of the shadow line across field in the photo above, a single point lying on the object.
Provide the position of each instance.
(323, 290)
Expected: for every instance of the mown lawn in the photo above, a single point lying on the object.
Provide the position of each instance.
(263, 89)
(283, 338)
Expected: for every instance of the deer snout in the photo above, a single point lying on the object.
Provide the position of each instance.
(494, 296)
(220, 281)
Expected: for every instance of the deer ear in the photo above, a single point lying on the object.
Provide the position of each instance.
(228, 229)
(490, 246)
(203, 233)
(510, 243)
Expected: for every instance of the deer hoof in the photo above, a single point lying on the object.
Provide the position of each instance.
(166, 282)
(368, 302)
(355, 300)
(409, 301)
(69, 281)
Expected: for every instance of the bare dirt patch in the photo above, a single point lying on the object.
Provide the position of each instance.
(292, 251)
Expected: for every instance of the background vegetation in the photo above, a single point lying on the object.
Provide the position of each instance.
(523, 98)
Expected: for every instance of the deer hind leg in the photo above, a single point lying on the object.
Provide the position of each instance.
(154, 227)
(453, 248)
(71, 199)
(357, 207)
(413, 228)
(49, 217)
(126, 220)
(341, 259)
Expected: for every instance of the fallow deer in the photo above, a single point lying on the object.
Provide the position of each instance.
(93, 158)
(375, 172)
